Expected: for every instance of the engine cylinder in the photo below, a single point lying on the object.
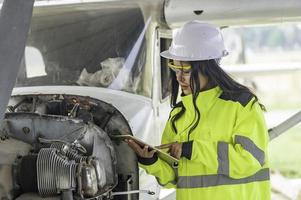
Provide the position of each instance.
(54, 173)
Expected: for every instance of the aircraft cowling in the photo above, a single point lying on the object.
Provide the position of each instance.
(60, 147)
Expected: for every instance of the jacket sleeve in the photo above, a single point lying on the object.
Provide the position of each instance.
(163, 172)
(245, 155)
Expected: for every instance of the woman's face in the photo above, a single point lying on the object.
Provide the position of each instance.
(183, 76)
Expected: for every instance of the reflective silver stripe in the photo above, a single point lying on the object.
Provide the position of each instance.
(249, 145)
(223, 158)
(219, 179)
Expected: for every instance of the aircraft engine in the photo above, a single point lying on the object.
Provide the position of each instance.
(62, 169)
(61, 147)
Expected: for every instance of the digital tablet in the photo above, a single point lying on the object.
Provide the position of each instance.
(161, 154)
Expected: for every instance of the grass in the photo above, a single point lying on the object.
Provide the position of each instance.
(285, 153)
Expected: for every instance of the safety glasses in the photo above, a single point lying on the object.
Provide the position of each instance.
(185, 69)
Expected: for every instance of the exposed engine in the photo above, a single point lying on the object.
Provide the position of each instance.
(59, 147)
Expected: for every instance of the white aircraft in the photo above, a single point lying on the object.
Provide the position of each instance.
(91, 70)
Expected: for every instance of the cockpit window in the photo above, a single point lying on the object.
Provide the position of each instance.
(96, 45)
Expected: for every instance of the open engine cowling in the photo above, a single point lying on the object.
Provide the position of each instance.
(61, 149)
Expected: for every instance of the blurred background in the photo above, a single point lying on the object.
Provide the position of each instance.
(267, 59)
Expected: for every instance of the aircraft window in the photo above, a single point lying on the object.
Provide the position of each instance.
(34, 63)
(165, 89)
(268, 60)
(99, 46)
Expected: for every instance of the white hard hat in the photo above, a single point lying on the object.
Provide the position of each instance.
(196, 41)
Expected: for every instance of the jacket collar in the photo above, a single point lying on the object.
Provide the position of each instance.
(204, 100)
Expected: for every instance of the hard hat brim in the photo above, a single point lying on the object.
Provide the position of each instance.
(168, 55)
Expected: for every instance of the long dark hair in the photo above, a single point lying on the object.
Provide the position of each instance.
(216, 77)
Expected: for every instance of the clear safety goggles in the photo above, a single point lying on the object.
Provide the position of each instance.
(184, 69)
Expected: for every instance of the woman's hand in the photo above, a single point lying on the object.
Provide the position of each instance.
(141, 152)
(174, 149)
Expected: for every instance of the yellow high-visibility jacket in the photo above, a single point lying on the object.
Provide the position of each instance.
(226, 155)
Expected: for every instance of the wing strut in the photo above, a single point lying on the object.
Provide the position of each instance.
(15, 20)
(284, 126)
